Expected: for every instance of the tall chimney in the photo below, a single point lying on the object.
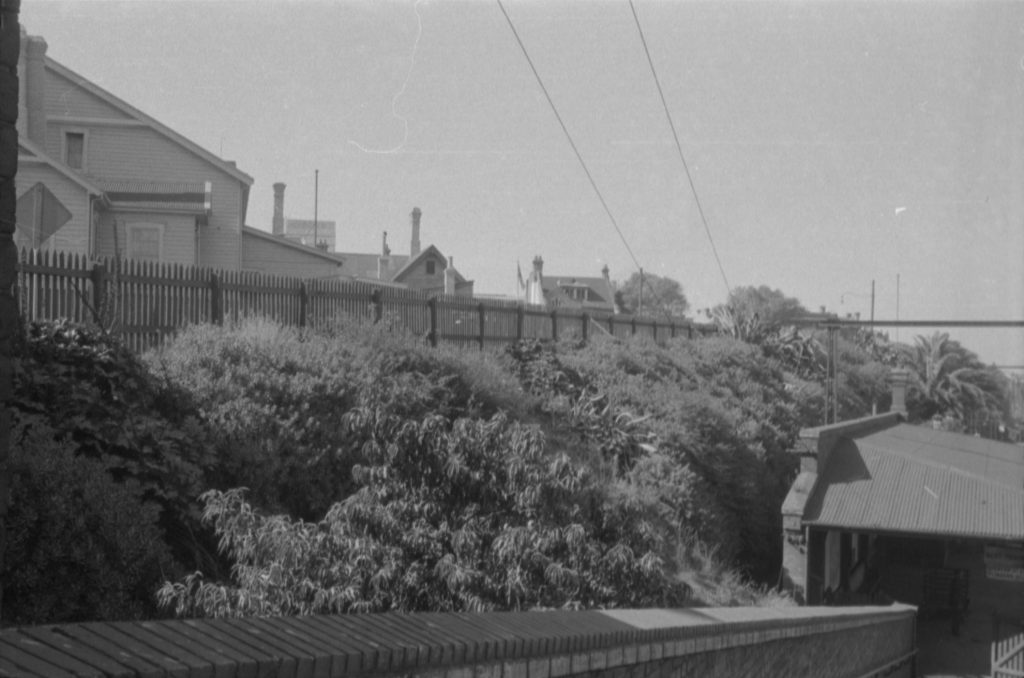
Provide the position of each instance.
(449, 277)
(538, 266)
(278, 228)
(414, 246)
(899, 378)
(35, 88)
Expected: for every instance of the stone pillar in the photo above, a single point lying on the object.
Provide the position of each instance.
(899, 379)
(10, 48)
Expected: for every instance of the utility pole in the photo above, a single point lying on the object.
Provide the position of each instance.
(872, 305)
(316, 201)
(641, 303)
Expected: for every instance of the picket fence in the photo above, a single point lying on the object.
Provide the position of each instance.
(146, 302)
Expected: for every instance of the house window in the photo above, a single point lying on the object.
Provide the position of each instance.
(74, 149)
(431, 267)
(145, 241)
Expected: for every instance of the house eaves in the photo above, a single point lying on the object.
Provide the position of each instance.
(225, 166)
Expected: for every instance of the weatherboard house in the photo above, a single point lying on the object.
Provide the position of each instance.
(588, 293)
(98, 177)
(884, 511)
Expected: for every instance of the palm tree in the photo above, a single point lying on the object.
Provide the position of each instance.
(948, 380)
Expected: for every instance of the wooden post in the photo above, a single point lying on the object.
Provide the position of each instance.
(689, 330)
(520, 322)
(376, 298)
(586, 327)
(482, 314)
(303, 304)
(654, 330)
(611, 325)
(672, 330)
(554, 324)
(216, 300)
(98, 276)
(432, 308)
(633, 325)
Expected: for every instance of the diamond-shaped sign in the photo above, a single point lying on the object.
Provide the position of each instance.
(41, 214)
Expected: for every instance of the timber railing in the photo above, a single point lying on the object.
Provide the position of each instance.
(145, 302)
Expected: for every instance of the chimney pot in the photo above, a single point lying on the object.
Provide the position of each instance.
(35, 88)
(278, 223)
(414, 246)
(899, 378)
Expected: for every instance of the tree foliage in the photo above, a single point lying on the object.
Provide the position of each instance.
(753, 313)
(463, 515)
(948, 380)
(661, 296)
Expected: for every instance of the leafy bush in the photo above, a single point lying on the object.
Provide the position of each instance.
(462, 515)
(80, 546)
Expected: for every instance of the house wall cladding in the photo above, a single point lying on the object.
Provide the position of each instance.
(277, 258)
(131, 150)
(733, 642)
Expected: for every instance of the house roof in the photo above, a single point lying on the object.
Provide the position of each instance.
(291, 244)
(132, 112)
(190, 197)
(913, 479)
(28, 152)
(429, 251)
(554, 285)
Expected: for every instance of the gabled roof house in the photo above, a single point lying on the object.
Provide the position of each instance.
(590, 293)
(99, 177)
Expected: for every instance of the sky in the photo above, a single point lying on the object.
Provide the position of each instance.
(832, 145)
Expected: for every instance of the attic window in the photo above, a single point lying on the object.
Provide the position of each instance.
(74, 149)
(431, 267)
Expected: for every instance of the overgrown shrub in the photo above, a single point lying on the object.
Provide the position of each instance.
(468, 514)
(80, 545)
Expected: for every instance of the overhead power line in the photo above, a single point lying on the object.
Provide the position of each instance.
(579, 156)
(568, 136)
(679, 148)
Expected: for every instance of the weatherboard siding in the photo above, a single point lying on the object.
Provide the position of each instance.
(178, 241)
(116, 151)
(266, 256)
(64, 98)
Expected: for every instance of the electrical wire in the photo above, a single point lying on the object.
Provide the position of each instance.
(576, 150)
(679, 148)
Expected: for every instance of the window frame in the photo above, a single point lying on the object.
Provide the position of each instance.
(67, 133)
(135, 226)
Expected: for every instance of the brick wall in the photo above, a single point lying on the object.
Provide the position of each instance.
(734, 642)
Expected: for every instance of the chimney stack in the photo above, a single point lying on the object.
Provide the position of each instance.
(414, 246)
(278, 223)
(449, 277)
(35, 88)
(538, 266)
(899, 378)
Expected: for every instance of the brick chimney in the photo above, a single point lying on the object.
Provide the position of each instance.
(899, 378)
(538, 266)
(35, 89)
(278, 222)
(414, 246)
(449, 277)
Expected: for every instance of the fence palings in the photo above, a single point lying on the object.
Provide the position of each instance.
(145, 302)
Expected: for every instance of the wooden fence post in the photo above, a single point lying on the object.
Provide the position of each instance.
(432, 308)
(654, 330)
(633, 325)
(611, 325)
(98, 277)
(586, 327)
(672, 330)
(520, 322)
(689, 331)
(216, 300)
(554, 324)
(303, 303)
(377, 299)
(482, 314)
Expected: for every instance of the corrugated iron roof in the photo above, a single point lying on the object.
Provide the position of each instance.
(158, 195)
(917, 480)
